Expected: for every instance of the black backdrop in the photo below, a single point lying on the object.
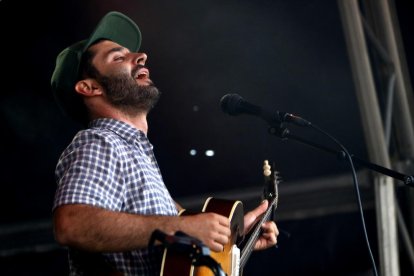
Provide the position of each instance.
(285, 55)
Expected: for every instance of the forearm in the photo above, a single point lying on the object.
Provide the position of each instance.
(95, 229)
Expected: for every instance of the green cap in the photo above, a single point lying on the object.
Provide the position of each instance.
(114, 26)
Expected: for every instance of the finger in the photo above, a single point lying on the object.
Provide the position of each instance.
(260, 209)
(221, 225)
(251, 217)
(269, 237)
(270, 233)
(224, 221)
(270, 227)
(226, 231)
(217, 218)
(265, 241)
(221, 239)
(218, 242)
(216, 247)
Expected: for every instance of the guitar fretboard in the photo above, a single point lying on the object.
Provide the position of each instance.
(248, 248)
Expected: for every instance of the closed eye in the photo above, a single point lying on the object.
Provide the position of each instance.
(119, 58)
(116, 54)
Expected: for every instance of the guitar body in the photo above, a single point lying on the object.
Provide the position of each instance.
(234, 211)
(178, 264)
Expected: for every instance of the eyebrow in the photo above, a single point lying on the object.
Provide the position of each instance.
(115, 49)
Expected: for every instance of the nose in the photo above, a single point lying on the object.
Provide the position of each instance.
(141, 58)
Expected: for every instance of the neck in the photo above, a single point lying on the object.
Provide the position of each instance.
(101, 109)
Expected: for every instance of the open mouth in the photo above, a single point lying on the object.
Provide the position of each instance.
(142, 73)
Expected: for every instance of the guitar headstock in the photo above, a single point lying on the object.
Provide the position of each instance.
(272, 179)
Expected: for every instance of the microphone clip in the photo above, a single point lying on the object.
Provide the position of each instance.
(280, 130)
(190, 247)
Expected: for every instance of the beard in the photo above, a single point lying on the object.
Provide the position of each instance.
(123, 92)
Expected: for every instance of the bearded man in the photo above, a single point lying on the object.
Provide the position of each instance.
(110, 195)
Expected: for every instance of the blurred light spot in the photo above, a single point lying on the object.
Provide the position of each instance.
(193, 152)
(196, 108)
(209, 153)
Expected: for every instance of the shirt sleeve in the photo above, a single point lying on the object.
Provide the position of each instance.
(88, 172)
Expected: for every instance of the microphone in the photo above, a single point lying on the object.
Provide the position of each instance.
(233, 104)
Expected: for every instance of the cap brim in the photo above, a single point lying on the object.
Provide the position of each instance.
(119, 28)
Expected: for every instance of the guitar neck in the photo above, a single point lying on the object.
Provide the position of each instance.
(249, 246)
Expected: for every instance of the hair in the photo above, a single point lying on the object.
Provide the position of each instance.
(86, 70)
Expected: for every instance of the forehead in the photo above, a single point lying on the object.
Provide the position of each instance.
(104, 48)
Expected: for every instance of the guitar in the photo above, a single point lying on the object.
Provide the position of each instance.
(231, 260)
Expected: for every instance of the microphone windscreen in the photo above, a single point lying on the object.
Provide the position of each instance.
(230, 104)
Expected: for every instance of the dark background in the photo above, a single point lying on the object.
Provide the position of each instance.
(282, 55)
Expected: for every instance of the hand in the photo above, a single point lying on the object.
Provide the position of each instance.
(212, 229)
(270, 231)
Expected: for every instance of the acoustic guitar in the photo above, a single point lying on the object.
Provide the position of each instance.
(232, 260)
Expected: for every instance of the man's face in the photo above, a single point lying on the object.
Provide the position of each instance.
(124, 77)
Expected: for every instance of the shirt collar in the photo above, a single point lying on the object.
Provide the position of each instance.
(124, 130)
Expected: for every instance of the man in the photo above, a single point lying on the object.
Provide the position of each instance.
(111, 196)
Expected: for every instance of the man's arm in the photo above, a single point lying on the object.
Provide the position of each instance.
(96, 229)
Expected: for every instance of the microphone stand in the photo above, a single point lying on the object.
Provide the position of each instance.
(284, 133)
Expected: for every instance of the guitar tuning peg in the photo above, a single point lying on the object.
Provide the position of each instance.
(266, 168)
(278, 177)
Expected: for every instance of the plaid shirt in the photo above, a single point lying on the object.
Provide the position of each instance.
(111, 165)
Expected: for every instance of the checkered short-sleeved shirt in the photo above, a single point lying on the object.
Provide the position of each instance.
(111, 165)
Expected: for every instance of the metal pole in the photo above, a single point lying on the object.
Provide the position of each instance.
(403, 96)
(404, 103)
(374, 135)
(388, 43)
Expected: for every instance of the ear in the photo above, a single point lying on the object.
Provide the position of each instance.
(88, 87)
